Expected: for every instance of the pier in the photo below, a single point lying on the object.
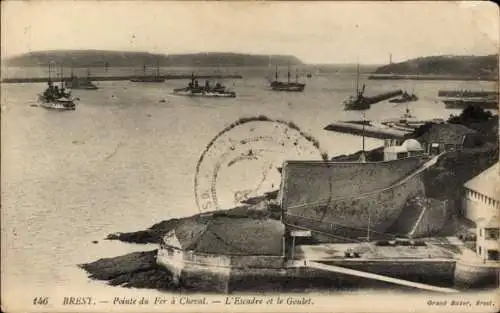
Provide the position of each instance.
(466, 93)
(18, 80)
(367, 130)
(383, 278)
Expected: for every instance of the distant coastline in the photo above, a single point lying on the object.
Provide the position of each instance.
(432, 77)
(441, 68)
(117, 78)
(100, 58)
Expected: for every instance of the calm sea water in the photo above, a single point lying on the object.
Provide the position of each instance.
(124, 161)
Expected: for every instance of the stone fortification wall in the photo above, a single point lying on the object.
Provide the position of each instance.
(434, 215)
(377, 210)
(309, 182)
(471, 275)
(214, 272)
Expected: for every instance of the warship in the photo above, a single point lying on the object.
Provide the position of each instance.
(193, 89)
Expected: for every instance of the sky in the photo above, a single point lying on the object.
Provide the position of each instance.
(315, 32)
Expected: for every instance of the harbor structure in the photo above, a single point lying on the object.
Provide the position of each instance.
(482, 195)
(488, 234)
(479, 265)
(409, 148)
(215, 251)
(447, 137)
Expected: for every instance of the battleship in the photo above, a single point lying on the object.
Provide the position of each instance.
(55, 98)
(193, 89)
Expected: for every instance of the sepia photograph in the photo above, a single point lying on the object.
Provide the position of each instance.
(250, 156)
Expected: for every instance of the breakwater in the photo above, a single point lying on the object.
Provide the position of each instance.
(368, 131)
(466, 93)
(430, 77)
(382, 96)
(117, 78)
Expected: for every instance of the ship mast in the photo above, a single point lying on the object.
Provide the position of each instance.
(296, 76)
(218, 71)
(50, 80)
(288, 72)
(369, 224)
(62, 78)
(157, 68)
(357, 78)
(364, 121)
(276, 74)
(362, 157)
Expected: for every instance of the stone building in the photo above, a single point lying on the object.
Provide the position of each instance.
(482, 195)
(409, 148)
(448, 137)
(488, 235)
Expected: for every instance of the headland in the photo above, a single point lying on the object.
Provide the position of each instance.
(198, 245)
(445, 67)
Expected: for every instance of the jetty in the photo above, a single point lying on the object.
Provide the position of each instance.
(371, 276)
(367, 130)
(466, 93)
(17, 80)
(383, 96)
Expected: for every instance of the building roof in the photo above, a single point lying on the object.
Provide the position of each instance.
(225, 235)
(487, 183)
(492, 222)
(412, 145)
(447, 134)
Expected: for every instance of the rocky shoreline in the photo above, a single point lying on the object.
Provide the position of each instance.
(139, 269)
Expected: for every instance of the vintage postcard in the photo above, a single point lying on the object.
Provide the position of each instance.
(162, 156)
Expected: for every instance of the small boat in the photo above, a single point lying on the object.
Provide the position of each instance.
(405, 97)
(277, 85)
(75, 82)
(357, 102)
(195, 90)
(408, 122)
(149, 78)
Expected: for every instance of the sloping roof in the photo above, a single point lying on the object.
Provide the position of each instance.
(487, 183)
(447, 133)
(225, 235)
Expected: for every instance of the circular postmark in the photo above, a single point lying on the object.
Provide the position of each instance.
(242, 161)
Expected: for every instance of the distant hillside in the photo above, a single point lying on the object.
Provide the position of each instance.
(98, 58)
(444, 65)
